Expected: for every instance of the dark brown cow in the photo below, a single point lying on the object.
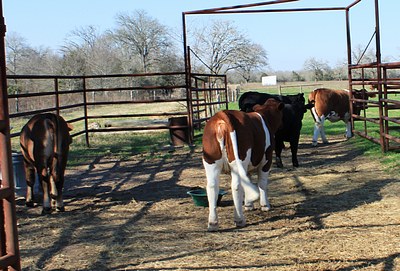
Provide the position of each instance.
(334, 105)
(240, 142)
(45, 141)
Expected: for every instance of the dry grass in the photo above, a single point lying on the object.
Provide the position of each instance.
(338, 211)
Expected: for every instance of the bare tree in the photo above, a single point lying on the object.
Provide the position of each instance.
(252, 58)
(144, 37)
(222, 47)
(17, 49)
(319, 69)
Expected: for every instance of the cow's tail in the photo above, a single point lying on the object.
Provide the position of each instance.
(251, 191)
(51, 126)
(311, 100)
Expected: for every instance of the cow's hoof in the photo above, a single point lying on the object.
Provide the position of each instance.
(46, 211)
(314, 143)
(265, 209)
(241, 223)
(249, 207)
(60, 209)
(30, 204)
(212, 227)
(279, 165)
(295, 164)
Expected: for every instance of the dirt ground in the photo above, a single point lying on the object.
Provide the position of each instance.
(340, 210)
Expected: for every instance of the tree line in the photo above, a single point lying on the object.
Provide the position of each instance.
(141, 44)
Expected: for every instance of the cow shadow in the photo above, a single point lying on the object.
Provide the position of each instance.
(147, 186)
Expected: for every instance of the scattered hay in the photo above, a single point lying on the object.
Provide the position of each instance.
(337, 211)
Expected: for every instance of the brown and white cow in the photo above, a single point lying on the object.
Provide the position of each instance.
(240, 142)
(45, 141)
(334, 105)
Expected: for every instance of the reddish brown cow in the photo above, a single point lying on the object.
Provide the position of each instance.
(240, 142)
(45, 141)
(334, 105)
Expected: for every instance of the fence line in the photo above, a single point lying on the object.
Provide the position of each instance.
(79, 96)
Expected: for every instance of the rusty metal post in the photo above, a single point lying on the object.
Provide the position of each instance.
(349, 63)
(379, 76)
(57, 96)
(189, 97)
(186, 52)
(85, 111)
(11, 256)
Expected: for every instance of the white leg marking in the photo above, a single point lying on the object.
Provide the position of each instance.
(212, 173)
(322, 130)
(237, 195)
(263, 186)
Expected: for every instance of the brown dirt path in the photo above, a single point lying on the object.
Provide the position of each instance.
(338, 211)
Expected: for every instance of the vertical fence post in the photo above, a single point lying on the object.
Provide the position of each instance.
(57, 96)
(189, 97)
(9, 232)
(226, 93)
(85, 111)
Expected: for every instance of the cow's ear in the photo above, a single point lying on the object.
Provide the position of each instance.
(255, 107)
(310, 105)
(281, 106)
(70, 127)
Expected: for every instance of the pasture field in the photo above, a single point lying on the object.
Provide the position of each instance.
(127, 208)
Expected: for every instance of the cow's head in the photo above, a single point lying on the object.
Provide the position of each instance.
(361, 94)
(298, 102)
(271, 111)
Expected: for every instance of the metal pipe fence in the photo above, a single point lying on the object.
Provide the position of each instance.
(382, 125)
(155, 97)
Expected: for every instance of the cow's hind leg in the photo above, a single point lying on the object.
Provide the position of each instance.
(294, 146)
(279, 146)
(44, 180)
(56, 184)
(349, 132)
(30, 183)
(263, 186)
(212, 174)
(237, 195)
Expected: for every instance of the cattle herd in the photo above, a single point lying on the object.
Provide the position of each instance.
(242, 141)
(234, 141)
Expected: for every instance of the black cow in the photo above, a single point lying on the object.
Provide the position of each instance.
(293, 114)
(251, 98)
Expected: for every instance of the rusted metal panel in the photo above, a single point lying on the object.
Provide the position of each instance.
(10, 257)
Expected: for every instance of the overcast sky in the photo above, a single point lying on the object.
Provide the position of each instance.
(288, 38)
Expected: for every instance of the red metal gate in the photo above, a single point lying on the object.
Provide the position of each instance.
(9, 249)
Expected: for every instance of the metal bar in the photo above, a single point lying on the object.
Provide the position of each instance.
(10, 235)
(92, 76)
(137, 102)
(382, 110)
(353, 4)
(280, 10)
(239, 6)
(349, 73)
(189, 97)
(85, 111)
(165, 114)
(57, 97)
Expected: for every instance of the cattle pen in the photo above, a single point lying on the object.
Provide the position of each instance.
(201, 96)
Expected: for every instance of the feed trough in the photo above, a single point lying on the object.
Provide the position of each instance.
(199, 196)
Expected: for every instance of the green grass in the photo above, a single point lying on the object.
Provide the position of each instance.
(124, 145)
(121, 145)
